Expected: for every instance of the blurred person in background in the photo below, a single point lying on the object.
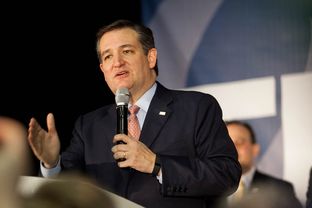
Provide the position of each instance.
(256, 188)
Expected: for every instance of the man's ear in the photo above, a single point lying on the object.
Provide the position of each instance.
(255, 150)
(101, 67)
(152, 57)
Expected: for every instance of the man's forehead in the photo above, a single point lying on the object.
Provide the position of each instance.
(119, 38)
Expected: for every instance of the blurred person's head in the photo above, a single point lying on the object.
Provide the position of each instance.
(13, 143)
(245, 142)
(14, 160)
(70, 190)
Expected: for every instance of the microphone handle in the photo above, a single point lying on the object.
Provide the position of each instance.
(122, 123)
(122, 120)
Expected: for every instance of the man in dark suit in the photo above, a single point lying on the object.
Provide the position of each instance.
(309, 191)
(258, 189)
(183, 157)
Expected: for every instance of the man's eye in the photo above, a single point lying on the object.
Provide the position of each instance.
(127, 51)
(107, 57)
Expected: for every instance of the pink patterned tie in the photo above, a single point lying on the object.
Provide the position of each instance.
(133, 122)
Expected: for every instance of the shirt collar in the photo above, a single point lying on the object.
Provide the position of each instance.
(247, 177)
(146, 98)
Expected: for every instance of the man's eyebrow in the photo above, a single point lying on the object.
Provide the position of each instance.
(127, 45)
(122, 46)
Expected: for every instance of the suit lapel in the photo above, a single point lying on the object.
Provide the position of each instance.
(157, 115)
(109, 124)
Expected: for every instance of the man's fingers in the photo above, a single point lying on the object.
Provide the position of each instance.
(119, 148)
(120, 155)
(121, 137)
(51, 122)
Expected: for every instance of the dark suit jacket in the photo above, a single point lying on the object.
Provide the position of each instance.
(199, 160)
(309, 191)
(266, 191)
(272, 192)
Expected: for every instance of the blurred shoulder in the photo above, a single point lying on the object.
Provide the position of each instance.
(267, 179)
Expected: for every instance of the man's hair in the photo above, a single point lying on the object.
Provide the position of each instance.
(146, 37)
(247, 126)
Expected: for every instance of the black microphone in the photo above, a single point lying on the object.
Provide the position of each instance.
(122, 100)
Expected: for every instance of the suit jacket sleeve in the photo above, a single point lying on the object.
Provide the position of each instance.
(208, 166)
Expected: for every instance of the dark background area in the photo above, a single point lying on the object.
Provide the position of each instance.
(49, 62)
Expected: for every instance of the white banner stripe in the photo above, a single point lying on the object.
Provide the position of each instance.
(244, 99)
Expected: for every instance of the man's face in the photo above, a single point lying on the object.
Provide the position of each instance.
(124, 63)
(247, 151)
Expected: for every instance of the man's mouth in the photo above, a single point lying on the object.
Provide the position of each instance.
(122, 74)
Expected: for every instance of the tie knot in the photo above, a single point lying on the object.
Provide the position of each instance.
(241, 187)
(239, 194)
(134, 109)
(242, 184)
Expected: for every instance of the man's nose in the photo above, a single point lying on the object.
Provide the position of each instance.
(118, 60)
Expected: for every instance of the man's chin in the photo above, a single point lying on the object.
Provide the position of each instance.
(124, 84)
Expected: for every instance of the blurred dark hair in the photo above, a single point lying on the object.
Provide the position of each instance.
(247, 126)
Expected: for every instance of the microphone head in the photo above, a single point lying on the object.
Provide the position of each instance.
(122, 96)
